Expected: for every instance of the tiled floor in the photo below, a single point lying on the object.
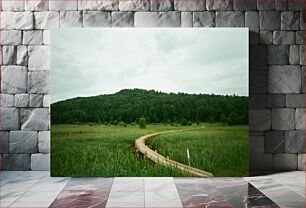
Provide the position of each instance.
(37, 189)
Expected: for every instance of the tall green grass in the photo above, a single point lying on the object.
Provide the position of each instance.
(221, 150)
(98, 150)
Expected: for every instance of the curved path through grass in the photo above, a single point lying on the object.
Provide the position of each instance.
(141, 146)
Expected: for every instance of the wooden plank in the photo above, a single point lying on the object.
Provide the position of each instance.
(140, 146)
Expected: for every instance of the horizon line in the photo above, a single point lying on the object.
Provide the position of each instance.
(158, 91)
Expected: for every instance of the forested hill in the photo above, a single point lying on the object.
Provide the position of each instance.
(129, 105)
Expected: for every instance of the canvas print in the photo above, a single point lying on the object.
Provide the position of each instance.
(149, 102)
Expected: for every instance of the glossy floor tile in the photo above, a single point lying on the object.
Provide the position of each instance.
(84, 192)
(161, 192)
(16, 187)
(128, 184)
(39, 190)
(126, 199)
(278, 192)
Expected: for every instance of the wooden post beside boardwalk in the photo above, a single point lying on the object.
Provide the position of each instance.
(161, 160)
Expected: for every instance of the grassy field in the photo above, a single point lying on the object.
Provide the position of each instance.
(221, 150)
(99, 150)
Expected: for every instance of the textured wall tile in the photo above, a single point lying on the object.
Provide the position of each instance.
(265, 5)
(38, 82)
(222, 5)
(46, 20)
(203, 19)
(33, 37)
(269, 20)
(246, 5)
(16, 162)
(302, 21)
(283, 118)
(4, 141)
(9, 55)
(6, 100)
(134, 5)
(71, 19)
(13, 5)
(35, 119)
(122, 19)
(294, 54)
(98, 5)
(96, 19)
(1, 167)
(10, 119)
(36, 100)
(162, 5)
(283, 38)
(63, 5)
(40, 161)
(274, 141)
(278, 54)
(260, 120)
(258, 81)
(7, 20)
(257, 101)
(186, 19)
(229, 19)
(258, 56)
(24, 20)
(157, 19)
(294, 141)
(22, 55)
(299, 37)
(0, 60)
(296, 5)
(256, 144)
(256, 133)
(39, 58)
(252, 21)
(46, 37)
(194, 5)
(276, 100)
(285, 161)
(281, 5)
(302, 56)
(290, 21)
(11, 37)
(13, 79)
(261, 162)
(295, 100)
(21, 100)
(44, 141)
(23, 142)
(299, 119)
(301, 161)
(303, 79)
(46, 101)
(36, 5)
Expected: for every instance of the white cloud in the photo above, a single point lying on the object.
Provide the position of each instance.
(89, 62)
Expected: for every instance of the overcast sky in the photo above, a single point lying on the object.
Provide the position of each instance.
(86, 62)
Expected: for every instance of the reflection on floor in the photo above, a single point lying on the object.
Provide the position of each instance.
(38, 189)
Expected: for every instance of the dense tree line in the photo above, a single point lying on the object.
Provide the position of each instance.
(128, 105)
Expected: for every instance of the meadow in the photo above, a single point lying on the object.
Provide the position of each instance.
(108, 150)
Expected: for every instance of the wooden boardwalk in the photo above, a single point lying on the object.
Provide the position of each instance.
(141, 146)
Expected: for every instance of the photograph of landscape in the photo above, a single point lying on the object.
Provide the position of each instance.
(149, 102)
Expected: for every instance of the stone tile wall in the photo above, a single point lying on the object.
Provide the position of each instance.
(276, 109)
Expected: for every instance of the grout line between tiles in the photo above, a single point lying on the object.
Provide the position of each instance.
(26, 191)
